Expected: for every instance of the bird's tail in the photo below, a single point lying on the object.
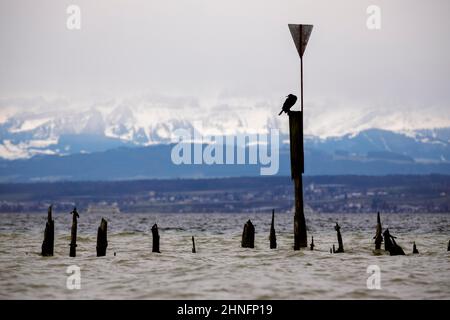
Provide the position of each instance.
(280, 112)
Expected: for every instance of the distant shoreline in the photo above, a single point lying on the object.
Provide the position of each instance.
(342, 193)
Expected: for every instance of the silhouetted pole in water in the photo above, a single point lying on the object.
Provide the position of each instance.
(73, 233)
(311, 246)
(334, 249)
(300, 34)
(272, 236)
(49, 235)
(415, 248)
(193, 245)
(448, 247)
(102, 238)
(155, 236)
(378, 234)
(248, 235)
(390, 244)
(339, 237)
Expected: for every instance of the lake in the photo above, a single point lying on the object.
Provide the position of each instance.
(221, 269)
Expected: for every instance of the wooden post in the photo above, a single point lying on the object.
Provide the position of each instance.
(248, 235)
(448, 246)
(311, 246)
(193, 245)
(102, 238)
(392, 246)
(378, 237)
(49, 235)
(272, 236)
(297, 169)
(339, 237)
(155, 236)
(415, 248)
(73, 233)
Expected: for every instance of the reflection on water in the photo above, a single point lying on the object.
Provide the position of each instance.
(221, 269)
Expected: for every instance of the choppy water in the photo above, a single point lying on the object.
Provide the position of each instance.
(221, 269)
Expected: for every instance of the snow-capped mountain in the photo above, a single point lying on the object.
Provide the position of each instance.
(23, 136)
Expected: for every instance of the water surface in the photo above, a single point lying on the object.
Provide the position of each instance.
(221, 269)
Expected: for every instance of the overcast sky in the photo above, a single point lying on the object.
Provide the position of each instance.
(223, 50)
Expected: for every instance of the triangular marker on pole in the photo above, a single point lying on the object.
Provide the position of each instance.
(300, 34)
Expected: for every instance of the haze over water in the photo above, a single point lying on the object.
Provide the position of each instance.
(221, 269)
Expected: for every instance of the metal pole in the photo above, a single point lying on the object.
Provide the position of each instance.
(301, 82)
(301, 69)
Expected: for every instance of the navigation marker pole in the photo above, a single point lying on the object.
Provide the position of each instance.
(300, 34)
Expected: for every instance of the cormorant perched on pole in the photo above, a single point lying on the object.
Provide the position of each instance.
(289, 103)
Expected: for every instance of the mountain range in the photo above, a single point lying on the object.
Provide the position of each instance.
(92, 145)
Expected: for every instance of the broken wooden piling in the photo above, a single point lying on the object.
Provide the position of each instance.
(415, 248)
(378, 234)
(272, 236)
(193, 245)
(339, 237)
(73, 233)
(102, 238)
(390, 244)
(49, 235)
(248, 235)
(155, 235)
(311, 246)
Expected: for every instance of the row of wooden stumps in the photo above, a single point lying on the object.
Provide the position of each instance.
(102, 236)
(49, 236)
(248, 237)
(390, 245)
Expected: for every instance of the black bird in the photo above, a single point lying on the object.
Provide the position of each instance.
(288, 104)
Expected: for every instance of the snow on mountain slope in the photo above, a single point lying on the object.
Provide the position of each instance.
(139, 123)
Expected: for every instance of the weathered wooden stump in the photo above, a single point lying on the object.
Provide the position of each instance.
(390, 244)
(49, 235)
(311, 246)
(272, 236)
(102, 238)
(415, 248)
(378, 234)
(339, 237)
(73, 233)
(193, 245)
(248, 236)
(155, 235)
